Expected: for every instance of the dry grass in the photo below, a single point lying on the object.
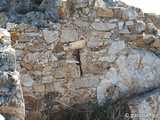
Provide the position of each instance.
(109, 111)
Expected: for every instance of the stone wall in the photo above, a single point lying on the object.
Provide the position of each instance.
(99, 50)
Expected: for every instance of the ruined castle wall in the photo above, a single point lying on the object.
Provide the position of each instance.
(99, 51)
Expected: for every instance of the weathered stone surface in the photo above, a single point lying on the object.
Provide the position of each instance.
(146, 105)
(151, 29)
(116, 47)
(27, 80)
(109, 58)
(11, 97)
(156, 43)
(31, 57)
(47, 79)
(94, 43)
(99, 3)
(10, 25)
(117, 12)
(57, 48)
(81, 23)
(147, 39)
(108, 13)
(86, 82)
(67, 71)
(129, 13)
(90, 51)
(137, 73)
(129, 23)
(124, 31)
(50, 36)
(39, 88)
(77, 45)
(138, 28)
(100, 26)
(120, 25)
(7, 59)
(69, 35)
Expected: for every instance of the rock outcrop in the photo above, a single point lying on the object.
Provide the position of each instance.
(11, 97)
(145, 106)
(95, 50)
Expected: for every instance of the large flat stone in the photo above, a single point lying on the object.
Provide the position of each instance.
(68, 35)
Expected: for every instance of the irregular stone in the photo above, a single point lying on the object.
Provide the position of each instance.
(50, 36)
(111, 26)
(81, 23)
(67, 71)
(54, 58)
(57, 48)
(124, 31)
(99, 3)
(101, 34)
(120, 25)
(100, 26)
(72, 61)
(85, 82)
(90, 2)
(107, 13)
(22, 27)
(129, 23)
(156, 43)
(31, 57)
(117, 12)
(151, 29)
(116, 47)
(33, 34)
(146, 105)
(93, 68)
(138, 28)
(121, 4)
(47, 79)
(147, 39)
(26, 80)
(19, 54)
(129, 13)
(77, 45)
(39, 88)
(19, 46)
(94, 43)
(109, 58)
(10, 26)
(69, 35)
(5, 37)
